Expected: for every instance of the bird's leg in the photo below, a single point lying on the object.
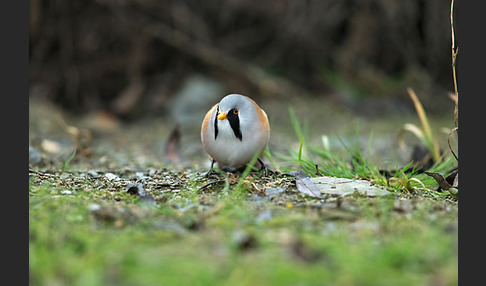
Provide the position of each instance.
(211, 171)
(263, 167)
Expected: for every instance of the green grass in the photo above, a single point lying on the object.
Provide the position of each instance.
(225, 231)
(348, 161)
(363, 242)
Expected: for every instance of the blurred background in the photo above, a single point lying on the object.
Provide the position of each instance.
(131, 57)
(127, 60)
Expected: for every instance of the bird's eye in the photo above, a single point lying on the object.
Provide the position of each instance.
(235, 111)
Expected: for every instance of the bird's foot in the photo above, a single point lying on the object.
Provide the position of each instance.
(264, 169)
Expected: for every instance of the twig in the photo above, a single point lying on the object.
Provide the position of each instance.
(454, 97)
(455, 50)
(38, 172)
(210, 184)
(449, 143)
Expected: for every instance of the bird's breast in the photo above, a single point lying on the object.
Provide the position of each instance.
(229, 150)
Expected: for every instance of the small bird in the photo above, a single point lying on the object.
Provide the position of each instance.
(233, 131)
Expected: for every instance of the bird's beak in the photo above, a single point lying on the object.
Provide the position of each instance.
(221, 116)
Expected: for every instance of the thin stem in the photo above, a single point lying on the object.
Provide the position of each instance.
(454, 48)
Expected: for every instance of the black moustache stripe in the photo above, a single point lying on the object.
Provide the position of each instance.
(216, 124)
(234, 121)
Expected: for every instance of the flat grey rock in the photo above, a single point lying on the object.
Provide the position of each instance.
(345, 187)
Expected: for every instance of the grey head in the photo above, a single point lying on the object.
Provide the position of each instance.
(240, 111)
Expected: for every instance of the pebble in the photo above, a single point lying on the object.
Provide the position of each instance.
(111, 177)
(93, 174)
(135, 189)
(141, 176)
(271, 192)
(94, 207)
(264, 216)
(34, 156)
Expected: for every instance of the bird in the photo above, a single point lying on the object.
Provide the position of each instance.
(234, 131)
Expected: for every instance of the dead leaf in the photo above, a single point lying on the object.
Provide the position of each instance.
(172, 146)
(453, 178)
(444, 183)
(306, 186)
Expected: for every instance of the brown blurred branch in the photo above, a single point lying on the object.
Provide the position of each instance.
(265, 83)
(112, 54)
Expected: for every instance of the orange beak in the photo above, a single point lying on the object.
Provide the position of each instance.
(221, 116)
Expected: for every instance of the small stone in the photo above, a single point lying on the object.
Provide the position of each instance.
(141, 176)
(272, 192)
(94, 207)
(244, 240)
(111, 177)
(34, 156)
(51, 146)
(264, 216)
(135, 189)
(92, 173)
